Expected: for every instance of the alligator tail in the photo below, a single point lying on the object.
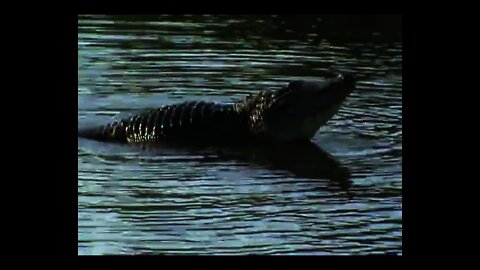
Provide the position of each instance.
(111, 132)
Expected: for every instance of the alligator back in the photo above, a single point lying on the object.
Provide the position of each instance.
(196, 120)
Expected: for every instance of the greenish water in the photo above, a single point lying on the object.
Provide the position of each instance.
(172, 201)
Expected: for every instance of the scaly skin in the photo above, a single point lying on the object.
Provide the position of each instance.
(257, 117)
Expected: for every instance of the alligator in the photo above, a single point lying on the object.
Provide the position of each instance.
(290, 114)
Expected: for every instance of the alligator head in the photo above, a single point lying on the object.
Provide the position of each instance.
(296, 112)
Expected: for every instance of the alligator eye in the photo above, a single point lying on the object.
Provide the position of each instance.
(340, 77)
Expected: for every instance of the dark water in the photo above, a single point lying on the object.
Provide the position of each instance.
(183, 201)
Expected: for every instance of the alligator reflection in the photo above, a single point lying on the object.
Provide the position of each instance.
(305, 160)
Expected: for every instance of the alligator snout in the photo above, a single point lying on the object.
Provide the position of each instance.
(348, 78)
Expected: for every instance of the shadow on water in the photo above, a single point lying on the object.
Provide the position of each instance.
(303, 160)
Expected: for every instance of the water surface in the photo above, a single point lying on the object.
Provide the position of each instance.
(133, 200)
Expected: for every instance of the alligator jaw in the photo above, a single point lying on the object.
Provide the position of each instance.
(299, 110)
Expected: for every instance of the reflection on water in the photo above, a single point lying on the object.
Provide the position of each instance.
(341, 194)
